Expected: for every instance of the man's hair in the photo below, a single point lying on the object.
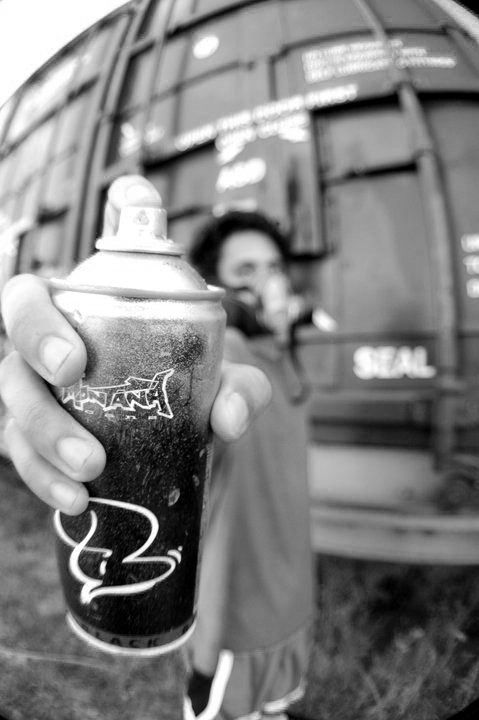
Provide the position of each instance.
(208, 241)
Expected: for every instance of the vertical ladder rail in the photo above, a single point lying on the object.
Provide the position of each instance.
(81, 220)
(440, 230)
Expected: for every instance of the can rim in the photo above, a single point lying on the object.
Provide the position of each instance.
(212, 293)
(131, 652)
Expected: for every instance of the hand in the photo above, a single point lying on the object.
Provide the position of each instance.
(52, 453)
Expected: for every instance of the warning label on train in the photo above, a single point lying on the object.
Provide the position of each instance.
(267, 119)
(341, 60)
(388, 362)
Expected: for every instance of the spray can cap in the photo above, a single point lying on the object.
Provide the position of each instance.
(142, 228)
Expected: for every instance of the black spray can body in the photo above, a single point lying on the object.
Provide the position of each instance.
(153, 331)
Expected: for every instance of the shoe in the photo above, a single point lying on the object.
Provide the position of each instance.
(188, 712)
(197, 694)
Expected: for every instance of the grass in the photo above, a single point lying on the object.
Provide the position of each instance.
(392, 642)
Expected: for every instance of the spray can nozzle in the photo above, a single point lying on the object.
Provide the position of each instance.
(142, 228)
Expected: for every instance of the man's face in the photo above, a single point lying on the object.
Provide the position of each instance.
(247, 259)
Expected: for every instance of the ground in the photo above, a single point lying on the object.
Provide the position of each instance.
(391, 642)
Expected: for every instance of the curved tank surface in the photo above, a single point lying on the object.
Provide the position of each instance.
(355, 123)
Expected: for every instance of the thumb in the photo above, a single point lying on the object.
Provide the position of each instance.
(244, 393)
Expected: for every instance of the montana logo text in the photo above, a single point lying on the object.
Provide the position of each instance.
(135, 394)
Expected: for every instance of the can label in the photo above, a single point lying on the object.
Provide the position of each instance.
(129, 563)
(133, 397)
(126, 643)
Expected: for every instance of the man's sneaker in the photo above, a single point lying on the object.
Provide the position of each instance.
(197, 694)
(188, 712)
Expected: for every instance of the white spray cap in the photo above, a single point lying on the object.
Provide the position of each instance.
(142, 228)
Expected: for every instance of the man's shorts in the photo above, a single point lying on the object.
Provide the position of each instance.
(248, 685)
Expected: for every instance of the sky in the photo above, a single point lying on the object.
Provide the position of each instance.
(31, 31)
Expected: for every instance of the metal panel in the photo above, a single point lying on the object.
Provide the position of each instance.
(236, 39)
(187, 182)
(408, 14)
(454, 126)
(43, 250)
(71, 124)
(18, 168)
(176, 118)
(6, 111)
(45, 92)
(34, 152)
(320, 19)
(7, 210)
(182, 11)
(172, 59)
(59, 183)
(126, 137)
(369, 138)
(382, 259)
(204, 7)
(188, 12)
(29, 199)
(137, 79)
(6, 172)
(154, 20)
(93, 55)
(220, 44)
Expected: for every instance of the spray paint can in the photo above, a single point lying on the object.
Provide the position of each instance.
(275, 304)
(153, 331)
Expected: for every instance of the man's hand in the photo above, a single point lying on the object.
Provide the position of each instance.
(52, 453)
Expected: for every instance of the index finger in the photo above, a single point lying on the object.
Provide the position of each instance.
(40, 333)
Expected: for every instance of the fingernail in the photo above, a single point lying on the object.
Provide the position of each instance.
(63, 495)
(53, 353)
(239, 413)
(74, 452)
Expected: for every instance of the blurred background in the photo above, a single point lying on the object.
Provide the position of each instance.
(354, 122)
